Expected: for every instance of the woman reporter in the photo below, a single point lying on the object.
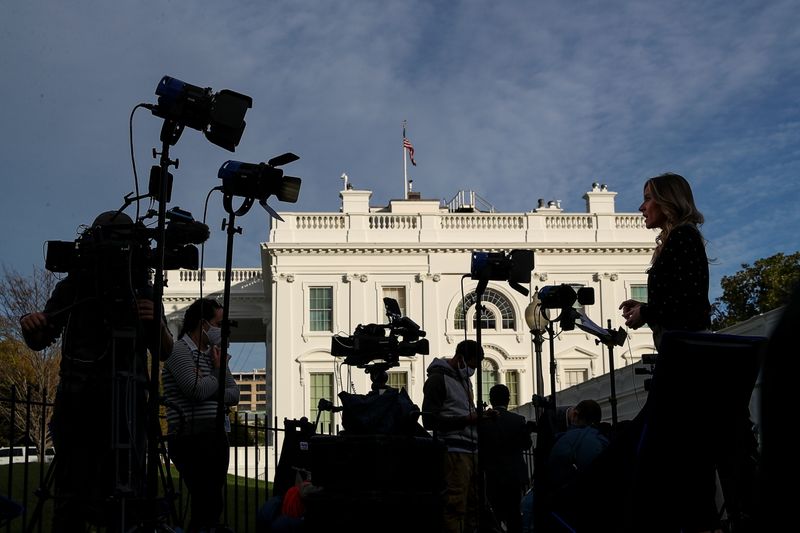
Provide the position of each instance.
(677, 281)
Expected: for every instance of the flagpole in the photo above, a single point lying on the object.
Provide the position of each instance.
(405, 165)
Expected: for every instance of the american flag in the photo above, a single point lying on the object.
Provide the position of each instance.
(410, 147)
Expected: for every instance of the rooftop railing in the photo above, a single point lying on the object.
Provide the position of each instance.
(535, 226)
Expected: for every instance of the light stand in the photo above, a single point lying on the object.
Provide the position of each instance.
(553, 366)
(537, 324)
(479, 291)
(613, 381)
(231, 230)
(484, 511)
(546, 412)
(251, 182)
(170, 132)
(609, 338)
(515, 269)
(220, 117)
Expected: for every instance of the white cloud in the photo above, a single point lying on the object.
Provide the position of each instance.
(516, 100)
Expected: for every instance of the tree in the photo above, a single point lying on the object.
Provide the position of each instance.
(766, 285)
(24, 369)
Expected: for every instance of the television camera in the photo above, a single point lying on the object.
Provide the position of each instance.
(376, 348)
(384, 343)
(116, 244)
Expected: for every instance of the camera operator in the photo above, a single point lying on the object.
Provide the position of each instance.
(448, 408)
(98, 423)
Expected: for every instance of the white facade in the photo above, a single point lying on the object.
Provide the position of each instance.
(349, 260)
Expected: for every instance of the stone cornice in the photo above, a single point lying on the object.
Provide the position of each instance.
(328, 249)
(190, 297)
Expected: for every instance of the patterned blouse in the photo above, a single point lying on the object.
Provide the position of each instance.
(677, 283)
(190, 384)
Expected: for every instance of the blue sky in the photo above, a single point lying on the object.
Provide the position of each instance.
(516, 100)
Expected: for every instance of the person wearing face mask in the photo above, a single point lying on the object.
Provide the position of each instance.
(197, 447)
(448, 409)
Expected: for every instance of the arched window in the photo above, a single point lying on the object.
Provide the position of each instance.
(508, 320)
(487, 320)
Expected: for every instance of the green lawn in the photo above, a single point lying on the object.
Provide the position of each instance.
(242, 502)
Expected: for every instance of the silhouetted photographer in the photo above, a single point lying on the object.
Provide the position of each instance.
(103, 312)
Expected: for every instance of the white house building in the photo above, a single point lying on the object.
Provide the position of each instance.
(326, 273)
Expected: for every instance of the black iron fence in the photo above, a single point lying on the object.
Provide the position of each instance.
(27, 460)
(27, 455)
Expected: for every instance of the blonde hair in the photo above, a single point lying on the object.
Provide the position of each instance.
(673, 194)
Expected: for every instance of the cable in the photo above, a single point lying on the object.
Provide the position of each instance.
(633, 373)
(133, 158)
(463, 301)
(203, 244)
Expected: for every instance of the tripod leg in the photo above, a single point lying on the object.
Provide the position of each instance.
(167, 485)
(43, 493)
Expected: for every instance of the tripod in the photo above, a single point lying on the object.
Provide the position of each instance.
(97, 476)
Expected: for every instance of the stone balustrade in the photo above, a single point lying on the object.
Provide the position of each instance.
(530, 227)
(187, 281)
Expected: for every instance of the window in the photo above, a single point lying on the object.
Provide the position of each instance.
(639, 292)
(398, 380)
(488, 379)
(261, 387)
(399, 294)
(321, 387)
(507, 317)
(487, 320)
(512, 382)
(574, 377)
(320, 306)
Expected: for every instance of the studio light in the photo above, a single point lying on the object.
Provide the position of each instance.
(260, 180)
(514, 267)
(220, 116)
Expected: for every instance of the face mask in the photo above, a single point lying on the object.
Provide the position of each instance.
(214, 335)
(466, 371)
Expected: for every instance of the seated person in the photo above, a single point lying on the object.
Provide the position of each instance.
(571, 455)
(576, 448)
